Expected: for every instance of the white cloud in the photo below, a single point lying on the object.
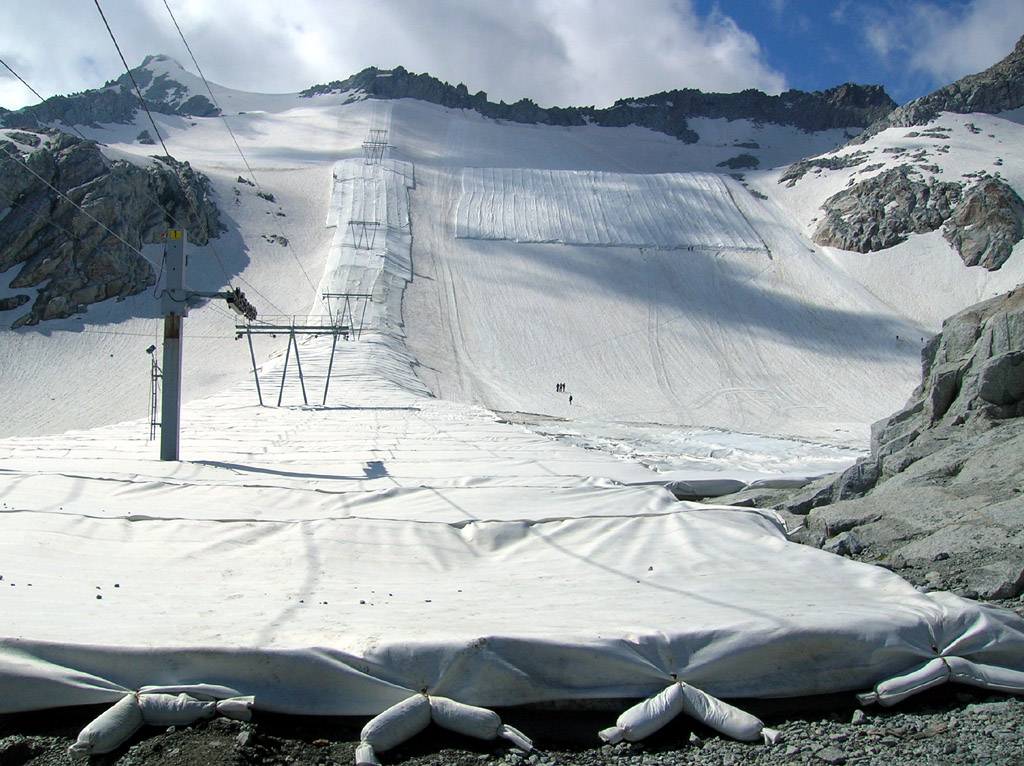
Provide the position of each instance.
(569, 52)
(955, 45)
(942, 42)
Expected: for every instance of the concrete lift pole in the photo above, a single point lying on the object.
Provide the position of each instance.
(174, 306)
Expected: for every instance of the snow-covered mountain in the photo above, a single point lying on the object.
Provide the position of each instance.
(668, 280)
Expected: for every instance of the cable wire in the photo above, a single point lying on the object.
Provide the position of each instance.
(132, 77)
(248, 167)
(42, 101)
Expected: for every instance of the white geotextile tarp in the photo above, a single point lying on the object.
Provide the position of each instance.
(347, 616)
(304, 556)
(589, 207)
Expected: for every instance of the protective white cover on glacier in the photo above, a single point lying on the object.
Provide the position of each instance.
(340, 559)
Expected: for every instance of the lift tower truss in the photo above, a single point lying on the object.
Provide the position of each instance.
(341, 322)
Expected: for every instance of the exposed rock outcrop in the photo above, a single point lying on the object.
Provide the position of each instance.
(982, 223)
(941, 496)
(74, 220)
(884, 210)
(116, 102)
(798, 170)
(847, 106)
(986, 224)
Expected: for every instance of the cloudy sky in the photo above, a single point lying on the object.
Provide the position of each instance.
(557, 52)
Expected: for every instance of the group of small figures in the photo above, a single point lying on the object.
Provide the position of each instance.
(560, 389)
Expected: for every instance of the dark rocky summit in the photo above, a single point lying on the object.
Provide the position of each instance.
(74, 220)
(847, 106)
(941, 496)
(115, 102)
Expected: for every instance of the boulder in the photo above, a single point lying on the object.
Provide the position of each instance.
(986, 224)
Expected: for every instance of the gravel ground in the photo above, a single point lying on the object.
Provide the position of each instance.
(950, 725)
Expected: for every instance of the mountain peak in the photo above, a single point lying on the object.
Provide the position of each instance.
(166, 86)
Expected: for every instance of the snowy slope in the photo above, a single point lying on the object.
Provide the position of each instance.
(953, 147)
(755, 329)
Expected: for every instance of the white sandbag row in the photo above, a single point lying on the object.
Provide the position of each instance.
(939, 671)
(647, 717)
(116, 724)
(413, 714)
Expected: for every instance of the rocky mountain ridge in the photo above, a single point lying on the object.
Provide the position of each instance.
(846, 106)
(997, 89)
(74, 220)
(116, 102)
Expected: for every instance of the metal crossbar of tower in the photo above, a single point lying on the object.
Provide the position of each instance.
(374, 146)
(343, 308)
(364, 234)
(341, 323)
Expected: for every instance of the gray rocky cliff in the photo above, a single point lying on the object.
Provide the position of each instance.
(986, 224)
(941, 496)
(999, 88)
(846, 106)
(883, 211)
(74, 220)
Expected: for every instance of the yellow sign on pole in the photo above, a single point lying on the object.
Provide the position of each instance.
(174, 234)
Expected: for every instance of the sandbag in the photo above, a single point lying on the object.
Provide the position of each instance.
(110, 729)
(896, 689)
(720, 716)
(174, 710)
(392, 727)
(985, 676)
(116, 724)
(647, 717)
(237, 708)
(474, 722)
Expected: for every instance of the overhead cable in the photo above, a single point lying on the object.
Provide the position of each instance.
(132, 78)
(245, 161)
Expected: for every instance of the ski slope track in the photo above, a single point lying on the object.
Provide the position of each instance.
(384, 535)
